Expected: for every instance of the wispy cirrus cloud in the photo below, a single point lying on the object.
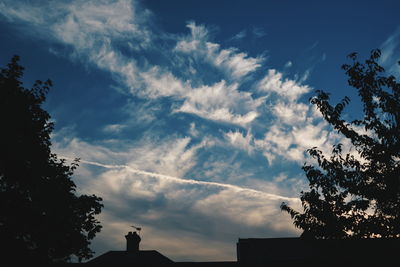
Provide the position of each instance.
(273, 82)
(185, 173)
(239, 36)
(241, 141)
(391, 53)
(222, 102)
(234, 63)
(259, 32)
(100, 32)
(294, 126)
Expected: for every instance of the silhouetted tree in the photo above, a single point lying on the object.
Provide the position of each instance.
(42, 220)
(356, 195)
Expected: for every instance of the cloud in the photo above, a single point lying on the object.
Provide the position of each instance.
(171, 156)
(176, 180)
(235, 64)
(288, 64)
(160, 83)
(273, 83)
(290, 112)
(391, 53)
(190, 208)
(293, 125)
(142, 191)
(16, 13)
(239, 140)
(248, 210)
(114, 128)
(291, 136)
(240, 35)
(92, 30)
(193, 131)
(109, 34)
(222, 102)
(218, 102)
(259, 32)
(178, 175)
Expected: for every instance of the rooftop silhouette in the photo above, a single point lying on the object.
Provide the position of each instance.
(254, 252)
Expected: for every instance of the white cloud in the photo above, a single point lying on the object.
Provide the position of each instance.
(280, 178)
(235, 64)
(391, 53)
(197, 39)
(114, 128)
(72, 147)
(171, 156)
(238, 63)
(92, 29)
(150, 180)
(246, 209)
(95, 32)
(143, 189)
(273, 83)
(87, 23)
(294, 126)
(305, 76)
(239, 140)
(288, 64)
(160, 83)
(290, 112)
(193, 131)
(226, 169)
(290, 141)
(222, 102)
(166, 181)
(15, 13)
(240, 35)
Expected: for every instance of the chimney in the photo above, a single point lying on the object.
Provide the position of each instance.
(132, 242)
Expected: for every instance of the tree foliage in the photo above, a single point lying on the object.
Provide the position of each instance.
(356, 194)
(42, 219)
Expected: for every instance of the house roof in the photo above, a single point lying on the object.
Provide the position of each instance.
(132, 259)
(208, 264)
(318, 252)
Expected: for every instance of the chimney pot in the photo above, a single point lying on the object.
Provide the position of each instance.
(132, 242)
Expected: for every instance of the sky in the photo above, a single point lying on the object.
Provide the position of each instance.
(191, 118)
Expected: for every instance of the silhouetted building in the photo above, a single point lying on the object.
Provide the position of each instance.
(321, 252)
(132, 257)
(255, 252)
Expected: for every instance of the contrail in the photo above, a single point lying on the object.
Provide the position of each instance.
(186, 181)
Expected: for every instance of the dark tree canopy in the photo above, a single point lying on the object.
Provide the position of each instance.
(42, 219)
(356, 195)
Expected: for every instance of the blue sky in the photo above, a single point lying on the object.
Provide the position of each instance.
(191, 118)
